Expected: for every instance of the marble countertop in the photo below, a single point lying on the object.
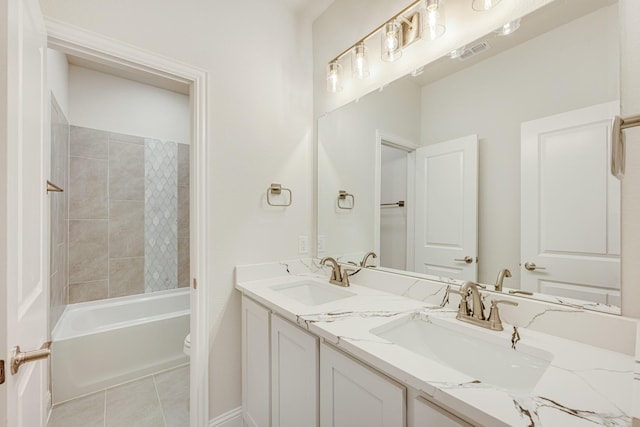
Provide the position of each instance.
(582, 386)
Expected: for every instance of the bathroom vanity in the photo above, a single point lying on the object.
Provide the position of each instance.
(387, 351)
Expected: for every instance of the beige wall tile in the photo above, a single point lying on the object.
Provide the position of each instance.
(86, 142)
(183, 212)
(126, 229)
(114, 136)
(88, 188)
(88, 240)
(126, 276)
(126, 171)
(88, 291)
(183, 165)
(183, 263)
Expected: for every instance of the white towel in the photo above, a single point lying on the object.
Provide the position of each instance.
(617, 149)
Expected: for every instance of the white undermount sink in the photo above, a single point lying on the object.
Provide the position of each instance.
(480, 354)
(310, 292)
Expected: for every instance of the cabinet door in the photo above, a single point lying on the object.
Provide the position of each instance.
(426, 414)
(256, 386)
(294, 375)
(352, 395)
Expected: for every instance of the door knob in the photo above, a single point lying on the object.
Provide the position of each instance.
(531, 266)
(466, 259)
(20, 357)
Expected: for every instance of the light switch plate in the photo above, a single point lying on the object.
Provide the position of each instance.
(303, 244)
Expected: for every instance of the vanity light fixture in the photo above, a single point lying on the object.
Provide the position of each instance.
(482, 5)
(334, 77)
(420, 19)
(434, 26)
(391, 41)
(508, 28)
(359, 63)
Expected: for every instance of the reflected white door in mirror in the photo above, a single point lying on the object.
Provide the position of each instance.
(571, 206)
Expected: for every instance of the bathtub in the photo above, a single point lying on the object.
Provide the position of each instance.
(99, 344)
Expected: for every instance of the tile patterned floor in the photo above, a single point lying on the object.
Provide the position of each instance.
(160, 400)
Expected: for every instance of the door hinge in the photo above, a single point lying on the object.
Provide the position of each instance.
(1, 371)
(195, 283)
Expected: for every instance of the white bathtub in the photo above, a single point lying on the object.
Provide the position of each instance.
(103, 343)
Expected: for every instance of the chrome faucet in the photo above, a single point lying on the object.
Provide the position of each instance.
(475, 313)
(363, 263)
(338, 276)
(501, 275)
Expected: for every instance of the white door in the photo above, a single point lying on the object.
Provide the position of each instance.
(24, 178)
(570, 205)
(446, 218)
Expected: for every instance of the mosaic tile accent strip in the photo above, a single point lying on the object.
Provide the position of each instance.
(161, 215)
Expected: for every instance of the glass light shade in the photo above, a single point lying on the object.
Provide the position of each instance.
(434, 20)
(482, 5)
(391, 41)
(508, 28)
(334, 77)
(359, 62)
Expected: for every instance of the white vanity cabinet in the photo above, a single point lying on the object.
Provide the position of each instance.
(294, 375)
(352, 395)
(256, 367)
(426, 414)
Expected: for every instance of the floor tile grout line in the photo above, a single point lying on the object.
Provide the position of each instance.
(155, 386)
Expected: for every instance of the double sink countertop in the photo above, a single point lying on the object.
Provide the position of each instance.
(476, 372)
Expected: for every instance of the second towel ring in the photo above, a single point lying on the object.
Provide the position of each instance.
(278, 189)
(343, 195)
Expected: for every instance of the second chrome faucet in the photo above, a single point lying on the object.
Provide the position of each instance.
(338, 276)
(475, 313)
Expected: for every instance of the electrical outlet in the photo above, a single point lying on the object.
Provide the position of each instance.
(303, 244)
(320, 243)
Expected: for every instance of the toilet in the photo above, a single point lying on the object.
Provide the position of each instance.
(186, 349)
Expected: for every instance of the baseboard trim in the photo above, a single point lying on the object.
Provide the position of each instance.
(233, 418)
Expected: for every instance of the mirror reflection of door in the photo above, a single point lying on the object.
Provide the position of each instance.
(571, 206)
(446, 209)
(394, 170)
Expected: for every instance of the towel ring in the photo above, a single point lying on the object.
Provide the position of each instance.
(278, 189)
(343, 195)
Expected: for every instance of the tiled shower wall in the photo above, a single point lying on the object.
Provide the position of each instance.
(58, 209)
(107, 216)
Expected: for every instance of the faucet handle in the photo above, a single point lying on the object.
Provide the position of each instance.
(494, 320)
(463, 308)
(345, 276)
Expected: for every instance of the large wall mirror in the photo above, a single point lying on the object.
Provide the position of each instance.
(497, 159)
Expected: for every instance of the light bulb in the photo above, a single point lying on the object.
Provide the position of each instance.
(359, 63)
(334, 77)
(391, 41)
(434, 23)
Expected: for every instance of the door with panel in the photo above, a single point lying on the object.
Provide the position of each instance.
(446, 209)
(570, 225)
(294, 375)
(352, 395)
(24, 230)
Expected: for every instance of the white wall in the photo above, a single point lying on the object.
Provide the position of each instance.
(58, 78)
(260, 131)
(346, 161)
(571, 67)
(106, 102)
